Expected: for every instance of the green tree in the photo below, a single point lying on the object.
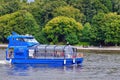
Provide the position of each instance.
(97, 35)
(63, 29)
(89, 7)
(70, 12)
(116, 6)
(21, 22)
(41, 37)
(9, 7)
(107, 3)
(86, 32)
(111, 28)
(106, 29)
(42, 10)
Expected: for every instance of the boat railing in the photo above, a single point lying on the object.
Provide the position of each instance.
(54, 51)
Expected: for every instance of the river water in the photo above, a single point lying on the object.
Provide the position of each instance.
(95, 67)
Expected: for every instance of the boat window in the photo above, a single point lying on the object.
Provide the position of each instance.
(20, 39)
(55, 51)
(30, 40)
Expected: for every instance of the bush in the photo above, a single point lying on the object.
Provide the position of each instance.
(63, 29)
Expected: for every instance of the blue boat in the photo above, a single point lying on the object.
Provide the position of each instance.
(25, 49)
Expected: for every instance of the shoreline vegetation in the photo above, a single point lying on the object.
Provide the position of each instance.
(79, 22)
(95, 49)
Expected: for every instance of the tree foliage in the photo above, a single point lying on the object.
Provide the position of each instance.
(86, 32)
(107, 3)
(9, 7)
(70, 12)
(20, 21)
(116, 6)
(43, 10)
(99, 17)
(111, 28)
(63, 29)
(106, 28)
(89, 7)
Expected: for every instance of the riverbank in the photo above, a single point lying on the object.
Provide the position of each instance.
(99, 49)
(3, 46)
(88, 49)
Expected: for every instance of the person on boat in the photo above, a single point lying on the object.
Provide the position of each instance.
(68, 50)
(10, 54)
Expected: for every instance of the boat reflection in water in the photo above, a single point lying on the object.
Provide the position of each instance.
(31, 69)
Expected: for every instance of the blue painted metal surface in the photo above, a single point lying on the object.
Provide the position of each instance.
(22, 49)
(58, 62)
(17, 40)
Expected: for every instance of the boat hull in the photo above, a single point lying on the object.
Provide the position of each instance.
(58, 62)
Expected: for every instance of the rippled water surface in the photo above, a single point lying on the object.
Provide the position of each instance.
(95, 67)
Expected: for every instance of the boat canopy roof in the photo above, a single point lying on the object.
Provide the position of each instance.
(15, 35)
(19, 36)
(54, 48)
